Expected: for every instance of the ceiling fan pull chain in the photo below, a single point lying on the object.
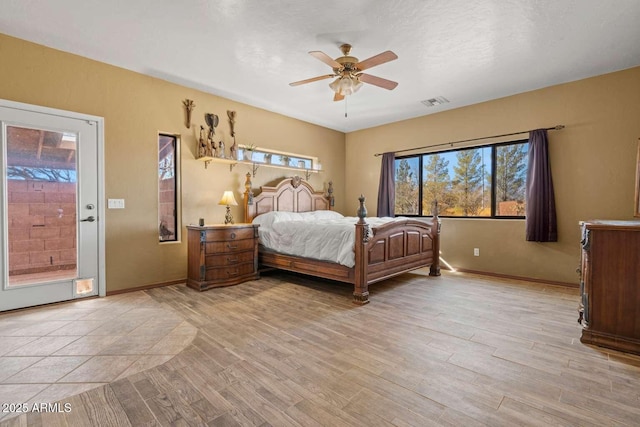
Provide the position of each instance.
(345, 106)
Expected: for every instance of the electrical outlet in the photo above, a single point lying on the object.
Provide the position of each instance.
(476, 251)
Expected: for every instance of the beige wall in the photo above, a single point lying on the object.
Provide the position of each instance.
(136, 108)
(593, 158)
(593, 162)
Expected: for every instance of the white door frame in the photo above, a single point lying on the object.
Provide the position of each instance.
(99, 121)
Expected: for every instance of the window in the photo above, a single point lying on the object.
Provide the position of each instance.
(486, 181)
(277, 158)
(167, 188)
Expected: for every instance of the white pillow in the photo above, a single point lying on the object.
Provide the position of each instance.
(266, 220)
(323, 215)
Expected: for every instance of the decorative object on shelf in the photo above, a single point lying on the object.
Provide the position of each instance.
(301, 164)
(285, 160)
(228, 200)
(233, 150)
(267, 158)
(204, 149)
(232, 122)
(212, 121)
(189, 105)
(247, 152)
(220, 152)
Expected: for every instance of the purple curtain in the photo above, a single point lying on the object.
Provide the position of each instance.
(541, 222)
(387, 188)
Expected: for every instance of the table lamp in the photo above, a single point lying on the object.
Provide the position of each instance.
(229, 200)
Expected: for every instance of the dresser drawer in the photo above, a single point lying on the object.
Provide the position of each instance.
(229, 234)
(229, 259)
(229, 272)
(212, 248)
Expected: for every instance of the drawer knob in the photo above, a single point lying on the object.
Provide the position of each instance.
(232, 247)
(233, 235)
(232, 260)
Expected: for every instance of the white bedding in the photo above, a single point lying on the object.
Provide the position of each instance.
(322, 235)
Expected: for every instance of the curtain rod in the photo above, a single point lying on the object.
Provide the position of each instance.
(557, 127)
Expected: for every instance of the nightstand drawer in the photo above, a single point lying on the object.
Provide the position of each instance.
(212, 248)
(229, 234)
(229, 272)
(222, 255)
(230, 259)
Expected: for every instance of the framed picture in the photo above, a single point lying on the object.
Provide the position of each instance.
(636, 210)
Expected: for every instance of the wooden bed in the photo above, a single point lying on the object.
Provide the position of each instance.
(387, 251)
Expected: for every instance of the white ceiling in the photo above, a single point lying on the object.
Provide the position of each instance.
(468, 51)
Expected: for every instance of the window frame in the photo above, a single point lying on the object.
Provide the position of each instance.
(493, 146)
(176, 198)
(310, 162)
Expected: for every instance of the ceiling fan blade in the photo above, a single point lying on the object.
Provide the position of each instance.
(325, 58)
(338, 97)
(378, 59)
(377, 81)
(313, 79)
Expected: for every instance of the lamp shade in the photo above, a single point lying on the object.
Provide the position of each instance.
(228, 199)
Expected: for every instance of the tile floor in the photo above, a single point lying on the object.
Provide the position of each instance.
(57, 351)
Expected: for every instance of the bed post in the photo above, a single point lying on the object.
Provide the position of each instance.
(360, 286)
(434, 270)
(332, 201)
(248, 200)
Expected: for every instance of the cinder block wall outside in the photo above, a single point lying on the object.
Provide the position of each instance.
(42, 226)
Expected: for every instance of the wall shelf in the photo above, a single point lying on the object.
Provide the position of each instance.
(209, 159)
(255, 165)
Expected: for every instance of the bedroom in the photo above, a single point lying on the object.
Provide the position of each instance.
(593, 158)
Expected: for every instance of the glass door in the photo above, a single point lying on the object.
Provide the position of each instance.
(50, 232)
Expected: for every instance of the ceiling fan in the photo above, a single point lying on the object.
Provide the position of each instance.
(349, 72)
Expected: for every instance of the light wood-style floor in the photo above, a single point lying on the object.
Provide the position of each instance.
(457, 350)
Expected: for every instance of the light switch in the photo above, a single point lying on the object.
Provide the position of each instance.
(115, 203)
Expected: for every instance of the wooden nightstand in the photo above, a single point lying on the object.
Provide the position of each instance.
(222, 255)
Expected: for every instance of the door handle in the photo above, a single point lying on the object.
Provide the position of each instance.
(89, 219)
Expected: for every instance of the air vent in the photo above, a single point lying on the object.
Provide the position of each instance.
(439, 100)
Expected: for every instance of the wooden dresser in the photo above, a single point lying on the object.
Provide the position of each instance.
(222, 255)
(610, 284)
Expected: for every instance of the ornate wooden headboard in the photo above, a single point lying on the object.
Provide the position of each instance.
(289, 195)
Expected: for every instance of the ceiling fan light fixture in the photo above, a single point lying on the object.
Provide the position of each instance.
(349, 72)
(346, 85)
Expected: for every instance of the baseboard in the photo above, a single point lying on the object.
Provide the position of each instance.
(507, 276)
(145, 287)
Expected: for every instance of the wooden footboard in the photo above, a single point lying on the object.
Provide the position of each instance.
(392, 249)
(380, 252)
